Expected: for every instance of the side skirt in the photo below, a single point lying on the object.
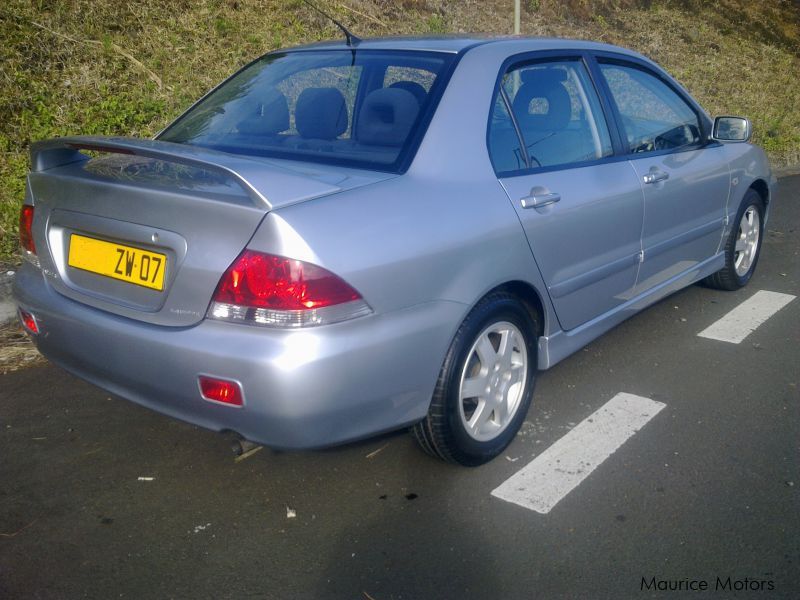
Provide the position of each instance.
(559, 345)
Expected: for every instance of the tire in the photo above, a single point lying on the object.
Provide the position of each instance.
(493, 355)
(747, 233)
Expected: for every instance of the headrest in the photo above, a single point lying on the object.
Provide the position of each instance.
(411, 86)
(544, 84)
(321, 113)
(387, 116)
(272, 116)
(543, 75)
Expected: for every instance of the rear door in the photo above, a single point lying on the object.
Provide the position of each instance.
(685, 181)
(582, 210)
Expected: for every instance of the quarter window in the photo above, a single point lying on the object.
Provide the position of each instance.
(653, 115)
(557, 114)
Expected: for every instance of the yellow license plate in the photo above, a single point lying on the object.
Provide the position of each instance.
(126, 263)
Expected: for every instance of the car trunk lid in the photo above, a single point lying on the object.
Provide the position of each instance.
(146, 229)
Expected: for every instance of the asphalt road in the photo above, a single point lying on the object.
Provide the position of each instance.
(708, 488)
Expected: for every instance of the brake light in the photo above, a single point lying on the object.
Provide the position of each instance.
(264, 289)
(221, 390)
(25, 225)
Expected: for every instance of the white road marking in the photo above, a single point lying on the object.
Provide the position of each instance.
(542, 483)
(745, 318)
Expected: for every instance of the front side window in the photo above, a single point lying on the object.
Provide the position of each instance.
(360, 108)
(557, 114)
(653, 115)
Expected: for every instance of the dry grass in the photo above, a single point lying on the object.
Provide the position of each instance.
(109, 67)
(16, 349)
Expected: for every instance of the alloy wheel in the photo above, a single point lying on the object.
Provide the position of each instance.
(493, 381)
(747, 241)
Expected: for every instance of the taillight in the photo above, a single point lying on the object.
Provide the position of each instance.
(221, 390)
(263, 289)
(25, 224)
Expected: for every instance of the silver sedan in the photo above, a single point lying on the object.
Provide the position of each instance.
(345, 239)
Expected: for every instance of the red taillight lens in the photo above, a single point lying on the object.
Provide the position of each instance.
(25, 224)
(264, 289)
(221, 390)
(29, 321)
(265, 281)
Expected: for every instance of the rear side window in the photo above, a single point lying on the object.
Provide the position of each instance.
(363, 108)
(654, 116)
(505, 147)
(556, 113)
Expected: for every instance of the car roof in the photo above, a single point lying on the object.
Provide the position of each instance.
(459, 43)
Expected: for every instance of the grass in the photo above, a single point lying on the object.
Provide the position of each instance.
(16, 349)
(107, 67)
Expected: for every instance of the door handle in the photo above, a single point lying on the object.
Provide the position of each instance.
(655, 175)
(539, 197)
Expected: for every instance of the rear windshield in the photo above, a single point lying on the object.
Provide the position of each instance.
(359, 108)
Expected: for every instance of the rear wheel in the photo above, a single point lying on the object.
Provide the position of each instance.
(485, 384)
(743, 245)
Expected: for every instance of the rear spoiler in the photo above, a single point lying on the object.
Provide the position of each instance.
(254, 176)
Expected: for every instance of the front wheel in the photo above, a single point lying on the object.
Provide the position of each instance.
(743, 245)
(485, 384)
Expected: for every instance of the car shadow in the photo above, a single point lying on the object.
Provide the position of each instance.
(418, 539)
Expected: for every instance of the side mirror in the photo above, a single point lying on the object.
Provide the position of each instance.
(731, 129)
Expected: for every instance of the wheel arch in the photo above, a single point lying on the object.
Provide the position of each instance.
(761, 187)
(529, 296)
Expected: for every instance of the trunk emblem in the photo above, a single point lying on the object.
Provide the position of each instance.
(154, 237)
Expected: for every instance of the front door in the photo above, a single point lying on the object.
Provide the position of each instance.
(685, 181)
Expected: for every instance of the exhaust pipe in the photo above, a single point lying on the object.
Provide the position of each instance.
(239, 445)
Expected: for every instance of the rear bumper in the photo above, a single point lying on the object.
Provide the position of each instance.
(303, 389)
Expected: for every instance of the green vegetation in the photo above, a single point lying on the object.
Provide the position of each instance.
(127, 68)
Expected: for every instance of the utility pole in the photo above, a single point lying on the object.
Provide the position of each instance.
(516, 17)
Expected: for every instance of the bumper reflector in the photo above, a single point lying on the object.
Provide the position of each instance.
(28, 322)
(221, 390)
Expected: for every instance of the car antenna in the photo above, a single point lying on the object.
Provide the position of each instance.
(352, 40)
